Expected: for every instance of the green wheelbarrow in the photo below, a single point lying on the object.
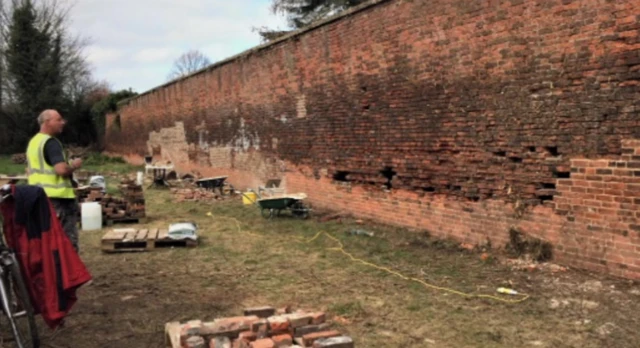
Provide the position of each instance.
(272, 206)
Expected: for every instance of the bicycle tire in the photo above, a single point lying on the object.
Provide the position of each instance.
(14, 286)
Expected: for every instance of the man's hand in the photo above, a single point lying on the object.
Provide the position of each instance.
(64, 169)
(76, 163)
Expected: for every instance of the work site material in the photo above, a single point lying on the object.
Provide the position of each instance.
(130, 239)
(273, 206)
(19, 158)
(91, 216)
(183, 230)
(195, 194)
(216, 183)
(259, 327)
(128, 208)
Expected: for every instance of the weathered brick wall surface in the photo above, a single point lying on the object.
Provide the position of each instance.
(461, 117)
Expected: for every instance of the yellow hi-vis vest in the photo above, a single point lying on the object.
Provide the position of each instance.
(42, 174)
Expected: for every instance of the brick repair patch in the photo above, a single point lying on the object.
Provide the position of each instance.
(259, 327)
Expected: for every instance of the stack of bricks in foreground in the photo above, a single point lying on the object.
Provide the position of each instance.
(261, 327)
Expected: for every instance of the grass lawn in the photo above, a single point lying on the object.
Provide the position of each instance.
(245, 260)
(95, 163)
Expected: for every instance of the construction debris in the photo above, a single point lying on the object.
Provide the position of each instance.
(19, 158)
(130, 207)
(258, 327)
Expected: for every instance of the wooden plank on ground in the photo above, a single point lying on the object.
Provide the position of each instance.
(163, 234)
(142, 234)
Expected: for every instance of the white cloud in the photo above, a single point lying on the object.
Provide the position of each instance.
(103, 55)
(152, 55)
(134, 42)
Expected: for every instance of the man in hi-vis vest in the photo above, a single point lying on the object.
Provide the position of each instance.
(48, 167)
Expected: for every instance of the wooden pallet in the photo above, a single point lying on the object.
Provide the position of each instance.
(131, 239)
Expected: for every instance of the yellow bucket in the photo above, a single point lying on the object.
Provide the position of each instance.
(249, 198)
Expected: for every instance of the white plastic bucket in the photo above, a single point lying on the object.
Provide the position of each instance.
(91, 213)
(140, 178)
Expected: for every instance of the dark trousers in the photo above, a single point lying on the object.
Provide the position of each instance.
(67, 212)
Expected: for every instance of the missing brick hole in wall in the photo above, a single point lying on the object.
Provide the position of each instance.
(429, 189)
(532, 149)
(552, 150)
(500, 153)
(117, 123)
(562, 175)
(536, 248)
(546, 185)
(366, 107)
(545, 198)
(515, 159)
(341, 176)
(363, 88)
(388, 173)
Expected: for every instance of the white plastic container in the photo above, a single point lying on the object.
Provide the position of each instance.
(91, 215)
(140, 178)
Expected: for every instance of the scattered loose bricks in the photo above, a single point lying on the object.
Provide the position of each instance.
(334, 342)
(260, 312)
(282, 340)
(220, 342)
(312, 337)
(263, 343)
(250, 331)
(229, 327)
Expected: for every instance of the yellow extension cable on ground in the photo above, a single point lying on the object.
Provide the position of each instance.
(340, 249)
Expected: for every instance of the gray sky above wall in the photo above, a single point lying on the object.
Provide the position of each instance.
(133, 43)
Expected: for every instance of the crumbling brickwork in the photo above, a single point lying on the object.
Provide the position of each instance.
(461, 117)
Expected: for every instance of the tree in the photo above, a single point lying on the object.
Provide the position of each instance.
(188, 63)
(301, 13)
(43, 66)
(33, 66)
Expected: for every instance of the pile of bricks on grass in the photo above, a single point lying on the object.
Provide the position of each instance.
(261, 327)
(19, 158)
(130, 206)
(195, 194)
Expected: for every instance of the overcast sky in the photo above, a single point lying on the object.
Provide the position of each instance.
(133, 43)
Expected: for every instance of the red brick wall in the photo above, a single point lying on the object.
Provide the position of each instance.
(474, 109)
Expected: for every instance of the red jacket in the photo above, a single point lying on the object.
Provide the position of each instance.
(51, 268)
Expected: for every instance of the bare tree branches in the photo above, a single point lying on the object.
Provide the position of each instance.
(188, 63)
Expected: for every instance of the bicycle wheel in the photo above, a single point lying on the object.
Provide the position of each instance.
(18, 310)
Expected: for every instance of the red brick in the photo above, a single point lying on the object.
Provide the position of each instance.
(278, 324)
(263, 343)
(312, 337)
(282, 340)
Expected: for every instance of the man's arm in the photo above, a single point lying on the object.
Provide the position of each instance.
(55, 157)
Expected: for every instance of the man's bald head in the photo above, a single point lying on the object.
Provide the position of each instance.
(51, 122)
(46, 115)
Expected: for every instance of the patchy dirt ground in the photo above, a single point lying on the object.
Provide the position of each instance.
(245, 260)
